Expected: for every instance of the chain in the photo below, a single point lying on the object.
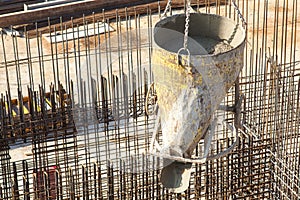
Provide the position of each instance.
(187, 20)
(239, 13)
(186, 35)
(187, 24)
(168, 7)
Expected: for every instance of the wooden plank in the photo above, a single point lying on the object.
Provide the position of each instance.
(31, 16)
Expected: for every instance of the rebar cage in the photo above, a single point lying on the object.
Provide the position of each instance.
(73, 120)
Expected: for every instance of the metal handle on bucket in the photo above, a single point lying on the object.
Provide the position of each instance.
(197, 160)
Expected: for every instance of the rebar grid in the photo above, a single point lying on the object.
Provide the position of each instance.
(89, 134)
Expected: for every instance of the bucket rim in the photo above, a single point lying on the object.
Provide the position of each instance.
(240, 45)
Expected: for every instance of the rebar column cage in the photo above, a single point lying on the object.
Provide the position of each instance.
(72, 114)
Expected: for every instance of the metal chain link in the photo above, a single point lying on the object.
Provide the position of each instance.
(239, 13)
(187, 20)
(185, 39)
(168, 6)
(187, 24)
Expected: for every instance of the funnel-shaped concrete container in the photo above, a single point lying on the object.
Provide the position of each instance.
(191, 87)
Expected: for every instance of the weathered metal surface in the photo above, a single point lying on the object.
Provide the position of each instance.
(187, 100)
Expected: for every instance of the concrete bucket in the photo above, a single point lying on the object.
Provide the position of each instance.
(191, 83)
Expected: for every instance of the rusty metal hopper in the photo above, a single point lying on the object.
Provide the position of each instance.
(191, 83)
(191, 86)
